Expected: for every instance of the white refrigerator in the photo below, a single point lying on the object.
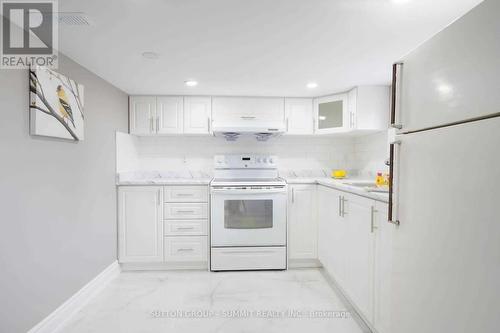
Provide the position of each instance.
(445, 203)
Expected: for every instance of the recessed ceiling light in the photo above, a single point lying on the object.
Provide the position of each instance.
(191, 83)
(312, 85)
(150, 55)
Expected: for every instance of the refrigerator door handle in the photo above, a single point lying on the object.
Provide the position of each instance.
(393, 175)
(397, 70)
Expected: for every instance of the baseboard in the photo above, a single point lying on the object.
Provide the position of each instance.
(54, 322)
(162, 266)
(304, 263)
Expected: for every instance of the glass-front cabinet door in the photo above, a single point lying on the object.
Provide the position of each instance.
(332, 114)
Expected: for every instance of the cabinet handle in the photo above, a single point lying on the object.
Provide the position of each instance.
(287, 124)
(185, 211)
(184, 194)
(185, 228)
(208, 124)
(340, 206)
(247, 117)
(372, 216)
(151, 124)
(157, 124)
(343, 206)
(293, 195)
(185, 250)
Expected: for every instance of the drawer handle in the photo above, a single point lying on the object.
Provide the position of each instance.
(184, 194)
(185, 228)
(186, 211)
(185, 250)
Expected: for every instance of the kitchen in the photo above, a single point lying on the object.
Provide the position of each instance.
(236, 192)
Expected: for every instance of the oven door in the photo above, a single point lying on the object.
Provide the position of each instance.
(248, 217)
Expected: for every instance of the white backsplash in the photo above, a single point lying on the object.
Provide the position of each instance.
(298, 156)
(370, 153)
(302, 155)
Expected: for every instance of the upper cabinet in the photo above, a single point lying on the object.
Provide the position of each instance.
(169, 111)
(197, 115)
(227, 109)
(299, 116)
(164, 115)
(332, 114)
(362, 109)
(142, 115)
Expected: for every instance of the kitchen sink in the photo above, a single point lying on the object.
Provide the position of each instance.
(367, 185)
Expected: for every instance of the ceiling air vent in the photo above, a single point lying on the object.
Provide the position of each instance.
(74, 19)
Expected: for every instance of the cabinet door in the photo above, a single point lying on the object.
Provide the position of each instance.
(299, 116)
(169, 114)
(360, 248)
(383, 269)
(332, 114)
(329, 248)
(140, 225)
(303, 232)
(227, 109)
(142, 115)
(197, 115)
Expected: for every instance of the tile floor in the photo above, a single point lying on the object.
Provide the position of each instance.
(196, 301)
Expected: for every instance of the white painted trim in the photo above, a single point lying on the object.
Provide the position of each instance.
(56, 320)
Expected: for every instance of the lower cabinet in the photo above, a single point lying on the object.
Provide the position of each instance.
(355, 248)
(163, 224)
(140, 224)
(302, 222)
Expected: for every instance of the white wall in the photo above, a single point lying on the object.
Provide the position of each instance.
(57, 199)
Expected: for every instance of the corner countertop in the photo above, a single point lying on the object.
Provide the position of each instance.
(341, 186)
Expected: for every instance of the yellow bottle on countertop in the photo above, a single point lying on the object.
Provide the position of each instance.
(339, 174)
(380, 180)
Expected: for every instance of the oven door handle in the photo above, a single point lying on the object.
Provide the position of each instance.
(254, 191)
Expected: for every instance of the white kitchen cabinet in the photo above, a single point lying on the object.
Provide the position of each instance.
(383, 269)
(169, 114)
(332, 234)
(230, 109)
(142, 115)
(360, 247)
(363, 109)
(302, 222)
(299, 116)
(197, 115)
(140, 224)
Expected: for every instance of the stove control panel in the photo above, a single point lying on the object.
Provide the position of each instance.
(245, 161)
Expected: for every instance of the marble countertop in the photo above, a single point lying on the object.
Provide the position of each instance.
(341, 186)
(199, 178)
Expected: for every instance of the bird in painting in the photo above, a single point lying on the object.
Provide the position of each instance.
(64, 107)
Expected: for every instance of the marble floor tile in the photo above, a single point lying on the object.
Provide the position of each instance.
(196, 301)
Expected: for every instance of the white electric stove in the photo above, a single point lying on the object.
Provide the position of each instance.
(248, 214)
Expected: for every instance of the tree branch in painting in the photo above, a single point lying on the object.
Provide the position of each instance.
(36, 89)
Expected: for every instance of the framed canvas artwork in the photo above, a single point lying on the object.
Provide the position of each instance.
(56, 105)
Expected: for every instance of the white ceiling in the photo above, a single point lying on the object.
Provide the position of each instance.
(251, 47)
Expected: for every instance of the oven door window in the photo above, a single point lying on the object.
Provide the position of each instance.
(248, 214)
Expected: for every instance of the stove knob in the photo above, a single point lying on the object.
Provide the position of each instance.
(264, 160)
(271, 161)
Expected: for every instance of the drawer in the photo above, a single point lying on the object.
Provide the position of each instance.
(186, 248)
(186, 193)
(185, 211)
(186, 227)
(248, 258)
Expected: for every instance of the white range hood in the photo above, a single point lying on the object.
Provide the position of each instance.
(261, 129)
